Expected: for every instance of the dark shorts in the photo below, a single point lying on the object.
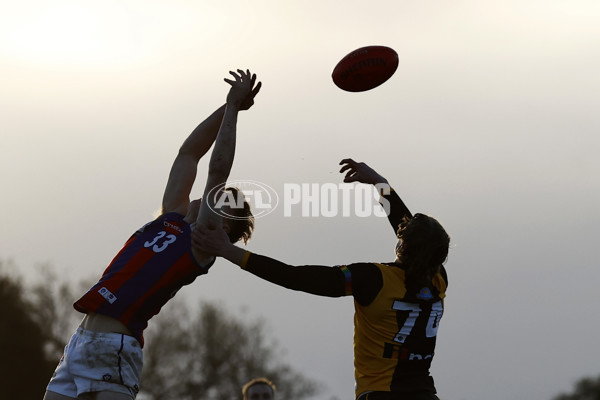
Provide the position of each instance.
(398, 396)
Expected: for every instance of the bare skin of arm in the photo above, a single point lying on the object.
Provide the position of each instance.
(219, 128)
(176, 197)
(221, 160)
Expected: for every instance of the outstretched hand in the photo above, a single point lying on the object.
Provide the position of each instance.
(360, 172)
(243, 89)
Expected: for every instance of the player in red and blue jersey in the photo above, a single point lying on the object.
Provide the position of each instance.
(103, 360)
(398, 305)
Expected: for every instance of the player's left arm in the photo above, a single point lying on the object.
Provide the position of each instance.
(184, 169)
(390, 200)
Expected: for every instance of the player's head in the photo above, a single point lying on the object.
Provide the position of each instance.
(259, 389)
(422, 247)
(235, 211)
(238, 220)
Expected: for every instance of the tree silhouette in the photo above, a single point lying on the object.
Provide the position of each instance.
(22, 343)
(208, 354)
(585, 389)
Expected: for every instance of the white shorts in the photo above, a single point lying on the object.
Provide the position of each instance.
(96, 362)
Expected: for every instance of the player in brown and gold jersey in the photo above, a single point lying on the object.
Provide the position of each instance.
(398, 305)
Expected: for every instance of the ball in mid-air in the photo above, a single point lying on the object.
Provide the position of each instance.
(365, 68)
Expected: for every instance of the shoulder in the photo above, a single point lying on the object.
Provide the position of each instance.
(393, 264)
(167, 221)
(363, 268)
(366, 281)
(172, 216)
(392, 268)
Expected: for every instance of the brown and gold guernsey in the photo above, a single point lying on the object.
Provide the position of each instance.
(394, 336)
(395, 323)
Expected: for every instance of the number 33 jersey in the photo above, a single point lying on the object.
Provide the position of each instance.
(394, 336)
(151, 267)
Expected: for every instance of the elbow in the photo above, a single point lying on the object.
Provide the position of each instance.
(187, 154)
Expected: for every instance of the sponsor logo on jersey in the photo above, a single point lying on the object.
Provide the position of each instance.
(398, 352)
(107, 294)
(172, 226)
(425, 294)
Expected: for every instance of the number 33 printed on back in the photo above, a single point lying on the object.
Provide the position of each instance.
(160, 241)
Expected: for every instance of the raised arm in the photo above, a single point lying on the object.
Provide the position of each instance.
(221, 160)
(393, 204)
(183, 171)
(176, 197)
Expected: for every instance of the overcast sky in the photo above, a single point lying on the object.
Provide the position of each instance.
(490, 124)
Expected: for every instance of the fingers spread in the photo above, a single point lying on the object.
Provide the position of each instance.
(256, 89)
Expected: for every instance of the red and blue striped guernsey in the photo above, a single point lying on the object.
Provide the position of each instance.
(151, 267)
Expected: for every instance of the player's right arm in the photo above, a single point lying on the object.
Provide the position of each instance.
(240, 97)
(314, 279)
(361, 280)
(221, 160)
(183, 172)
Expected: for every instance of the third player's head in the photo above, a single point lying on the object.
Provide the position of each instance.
(259, 389)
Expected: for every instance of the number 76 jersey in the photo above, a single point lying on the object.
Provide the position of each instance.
(151, 267)
(395, 335)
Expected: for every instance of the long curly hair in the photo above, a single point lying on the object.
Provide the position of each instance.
(423, 249)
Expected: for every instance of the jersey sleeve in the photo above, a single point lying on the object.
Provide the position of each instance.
(361, 280)
(315, 279)
(366, 282)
